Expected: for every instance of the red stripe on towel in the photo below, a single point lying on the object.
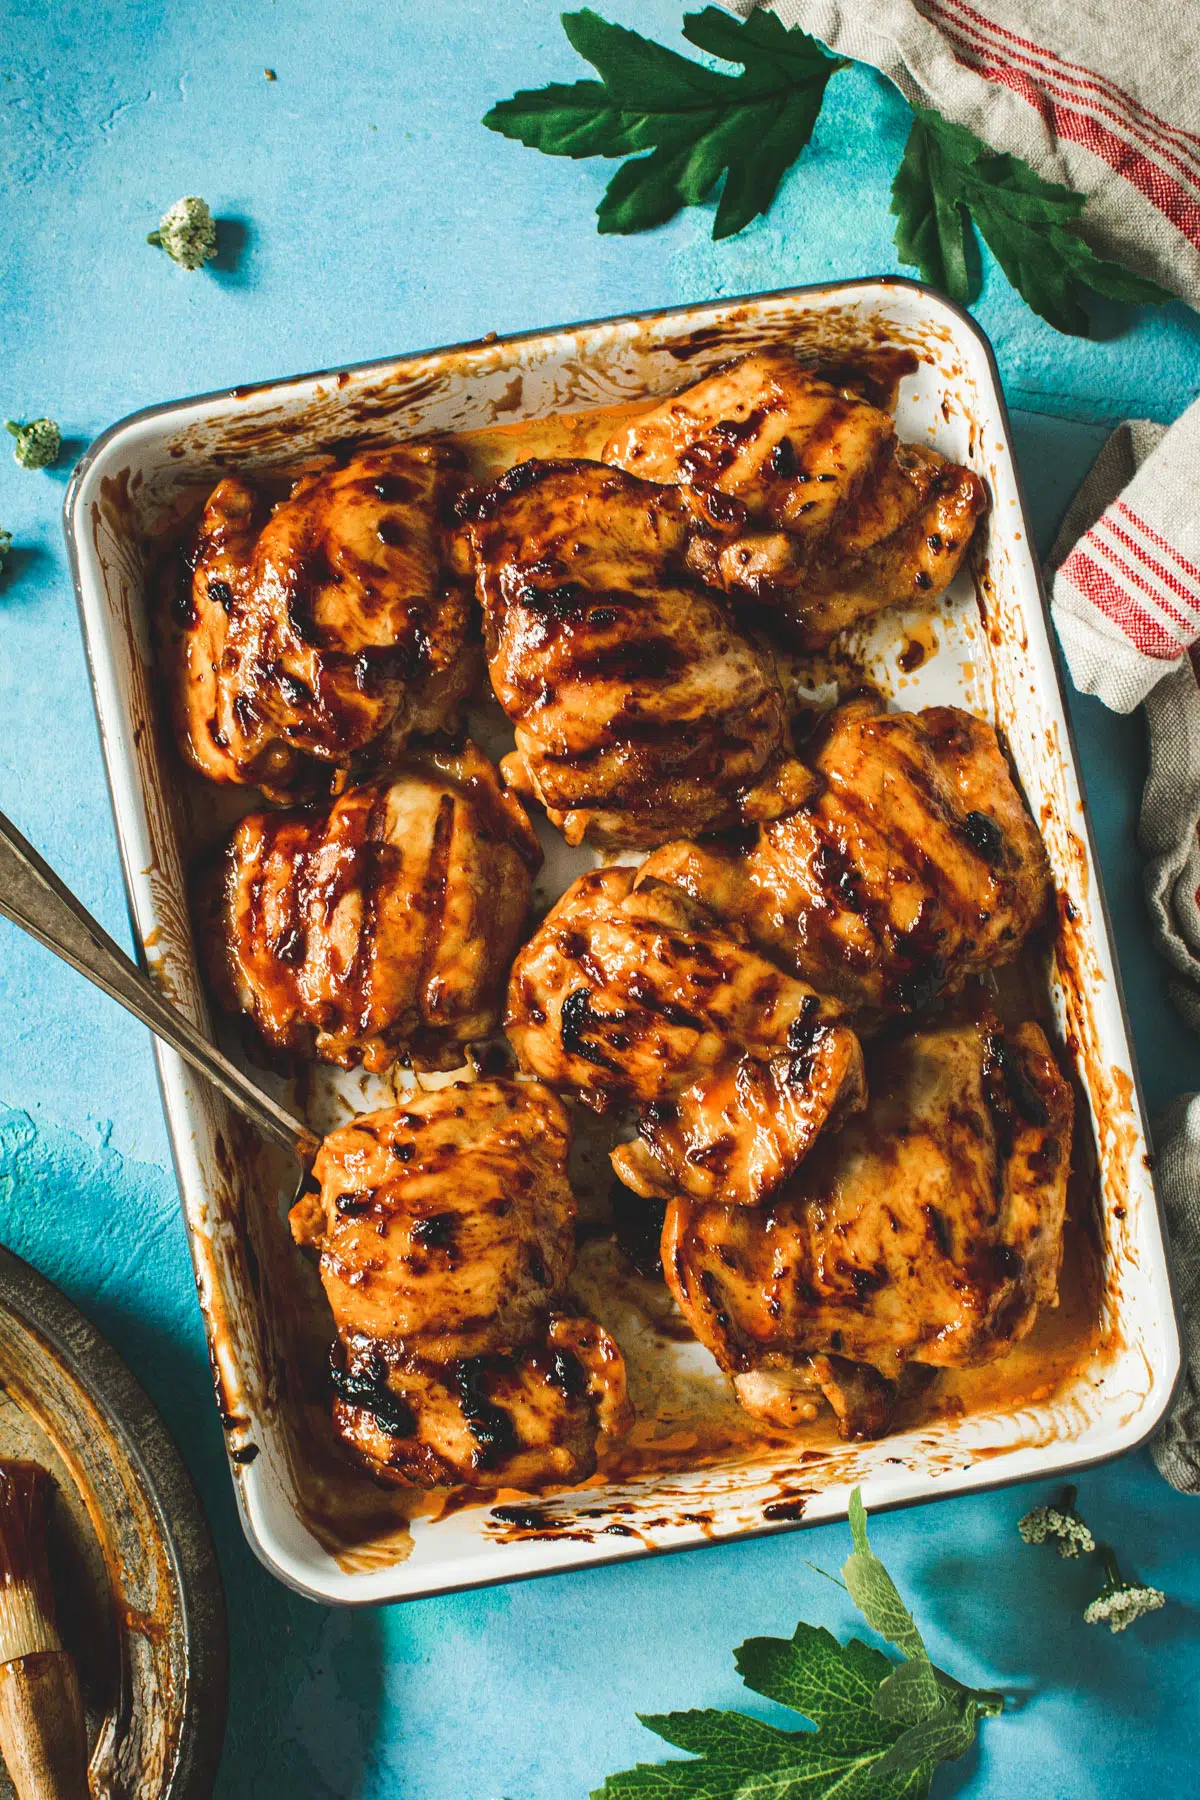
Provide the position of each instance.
(1074, 75)
(1163, 543)
(1117, 604)
(1177, 200)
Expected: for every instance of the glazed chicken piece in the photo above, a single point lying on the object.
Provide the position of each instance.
(525, 1418)
(324, 625)
(929, 1230)
(843, 520)
(794, 449)
(635, 996)
(640, 711)
(446, 1233)
(912, 864)
(380, 924)
(903, 538)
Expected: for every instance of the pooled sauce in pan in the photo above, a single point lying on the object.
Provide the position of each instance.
(687, 1421)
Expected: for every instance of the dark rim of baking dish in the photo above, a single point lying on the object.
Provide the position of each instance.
(490, 341)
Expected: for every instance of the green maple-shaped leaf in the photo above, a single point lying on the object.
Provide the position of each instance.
(879, 1728)
(948, 176)
(832, 1684)
(682, 125)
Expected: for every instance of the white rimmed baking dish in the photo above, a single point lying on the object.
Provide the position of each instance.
(993, 654)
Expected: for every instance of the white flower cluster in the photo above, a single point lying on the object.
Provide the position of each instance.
(187, 233)
(1119, 1601)
(38, 443)
(1118, 1607)
(1068, 1530)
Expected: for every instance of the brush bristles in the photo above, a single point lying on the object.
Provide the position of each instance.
(26, 1603)
(24, 1628)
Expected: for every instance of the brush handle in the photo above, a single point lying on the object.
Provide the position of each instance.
(35, 898)
(42, 1735)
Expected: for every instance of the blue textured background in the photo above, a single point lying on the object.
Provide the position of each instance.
(367, 213)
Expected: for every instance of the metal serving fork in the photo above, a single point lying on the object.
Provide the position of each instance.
(33, 897)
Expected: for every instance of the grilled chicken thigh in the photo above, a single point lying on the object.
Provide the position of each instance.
(446, 1224)
(381, 923)
(912, 864)
(903, 538)
(636, 996)
(843, 520)
(526, 1418)
(929, 1229)
(314, 627)
(640, 711)
(794, 449)
(446, 1233)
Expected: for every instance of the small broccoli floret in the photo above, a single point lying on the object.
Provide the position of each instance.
(187, 233)
(38, 443)
(1061, 1523)
(1120, 1602)
(5, 545)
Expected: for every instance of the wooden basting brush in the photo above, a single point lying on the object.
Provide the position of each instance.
(42, 1735)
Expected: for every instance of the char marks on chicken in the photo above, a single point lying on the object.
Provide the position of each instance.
(929, 1230)
(331, 624)
(636, 996)
(794, 449)
(640, 710)
(445, 1228)
(380, 924)
(912, 863)
(842, 520)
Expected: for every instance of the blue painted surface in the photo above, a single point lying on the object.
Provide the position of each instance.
(373, 215)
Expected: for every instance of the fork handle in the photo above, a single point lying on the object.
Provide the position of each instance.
(34, 897)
